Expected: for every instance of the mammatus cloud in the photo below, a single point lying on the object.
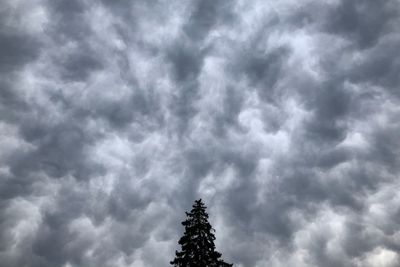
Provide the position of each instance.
(282, 116)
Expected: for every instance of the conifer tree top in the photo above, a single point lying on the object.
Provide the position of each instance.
(197, 242)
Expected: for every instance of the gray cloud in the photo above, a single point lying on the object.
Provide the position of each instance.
(116, 115)
(16, 50)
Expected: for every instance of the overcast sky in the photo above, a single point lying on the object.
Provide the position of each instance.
(283, 116)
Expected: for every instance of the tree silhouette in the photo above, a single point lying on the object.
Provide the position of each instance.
(197, 242)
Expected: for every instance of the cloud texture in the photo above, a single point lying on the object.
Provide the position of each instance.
(282, 115)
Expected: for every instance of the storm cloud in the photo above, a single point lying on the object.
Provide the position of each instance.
(283, 116)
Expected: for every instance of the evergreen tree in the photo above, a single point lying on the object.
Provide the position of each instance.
(197, 242)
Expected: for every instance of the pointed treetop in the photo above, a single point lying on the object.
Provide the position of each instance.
(197, 242)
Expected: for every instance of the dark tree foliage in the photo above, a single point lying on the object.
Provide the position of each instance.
(197, 242)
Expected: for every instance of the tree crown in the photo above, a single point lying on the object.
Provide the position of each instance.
(197, 242)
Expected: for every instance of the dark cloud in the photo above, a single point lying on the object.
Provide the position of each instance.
(16, 50)
(363, 22)
(69, 20)
(115, 116)
(78, 66)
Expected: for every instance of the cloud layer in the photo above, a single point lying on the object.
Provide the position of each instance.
(282, 116)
